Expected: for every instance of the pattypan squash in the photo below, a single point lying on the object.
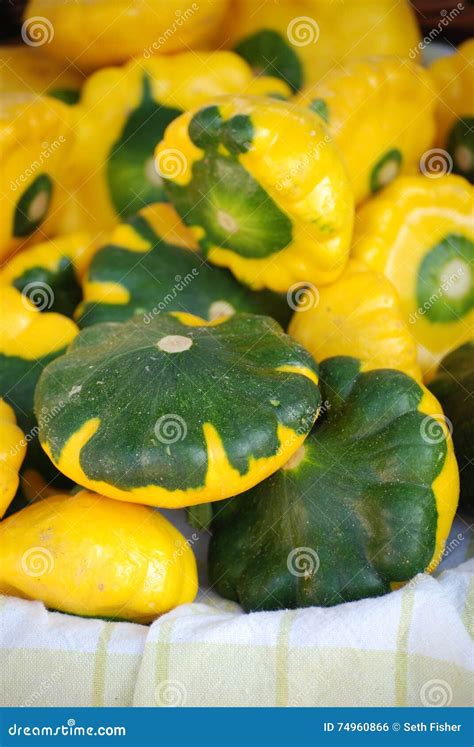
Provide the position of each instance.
(24, 68)
(35, 138)
(87, 555)
(455, 113)
(12, 453)
(419, 232)
(141, 271)
(381, 113)
(277, 206)
(300, 40)
(95, 33)
(29, 340)
(50, 273)
(358, 316)
(122, 116)
(178, 411)
(453, 385)
(365, 503)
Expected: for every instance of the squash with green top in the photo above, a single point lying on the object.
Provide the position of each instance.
(453, 385)
(365, 503)
(278, 207)
(142, 271)
(179, 411)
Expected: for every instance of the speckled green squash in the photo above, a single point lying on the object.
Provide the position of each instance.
(170, 278)
(32, 206)
(63, 283)
(269, 53)
(240, 389)
(445, 263)
(353, 510)
(460, 145)
(453, 385)
(133, 181)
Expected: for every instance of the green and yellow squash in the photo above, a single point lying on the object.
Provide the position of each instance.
(380, 113)
(453, 385)
(179, 411)
(145, 270)
(278, 207)
(49, 274)
(364, 504)
(419, 232)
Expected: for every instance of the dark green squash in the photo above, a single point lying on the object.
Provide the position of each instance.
(453, 385)
(352, 512)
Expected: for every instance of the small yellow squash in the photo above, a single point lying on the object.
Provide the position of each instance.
(88, 555)
(12, 453)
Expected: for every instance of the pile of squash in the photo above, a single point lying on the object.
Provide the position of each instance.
(237, 277)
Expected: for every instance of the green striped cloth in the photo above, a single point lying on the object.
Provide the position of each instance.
(412, 647)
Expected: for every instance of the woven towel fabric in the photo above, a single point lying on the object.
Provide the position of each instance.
(412, 647)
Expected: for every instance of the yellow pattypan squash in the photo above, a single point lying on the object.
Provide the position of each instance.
(122, 117)
(380, 112)
(24, 68)
(12, 453)
(35, 139)
(455, 78)
(300, 40)
(419, 232)
(88, 555)
(95, 33)
(278, 208)
(50, 273)
(359, 316)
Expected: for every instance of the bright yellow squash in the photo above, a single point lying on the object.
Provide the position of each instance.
(359, 316)
(35, 138)
(419, 232)
(95, 33)
(24, 68)
(88, 555)
(122, 116)
(381, 113)
(12, 453)
(300, 40)
(278, 206)
(455, 78)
